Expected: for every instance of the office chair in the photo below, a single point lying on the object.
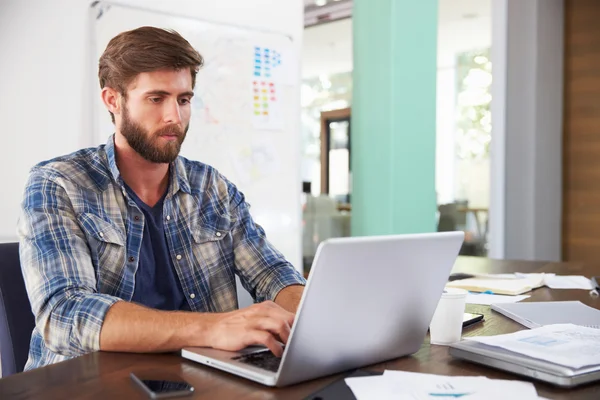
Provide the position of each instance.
(16, 319)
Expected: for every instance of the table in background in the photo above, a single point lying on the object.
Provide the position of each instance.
(106, 375)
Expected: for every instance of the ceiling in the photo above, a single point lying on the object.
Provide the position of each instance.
(450, 8)
(329, 46)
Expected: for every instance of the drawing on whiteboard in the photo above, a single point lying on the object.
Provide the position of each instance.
(219, 82)
(266, 106)
(201, 109)
(254, 162)
(267, 62)
(274, 64)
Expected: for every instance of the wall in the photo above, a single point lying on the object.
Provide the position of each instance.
(527, 108)
(327, 48)
(581, 188)
(46, 76)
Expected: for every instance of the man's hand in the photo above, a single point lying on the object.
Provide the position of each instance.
(260, 324)
(130, 327)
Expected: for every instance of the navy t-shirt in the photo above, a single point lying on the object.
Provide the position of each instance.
(156, 282)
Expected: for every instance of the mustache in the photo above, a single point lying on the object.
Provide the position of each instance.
(171, 130)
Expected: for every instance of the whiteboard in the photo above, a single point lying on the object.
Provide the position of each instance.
(245, 112)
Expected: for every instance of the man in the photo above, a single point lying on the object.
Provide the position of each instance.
(130, 247)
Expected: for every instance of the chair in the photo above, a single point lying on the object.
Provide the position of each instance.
(447, 218)
(318, 224)
(451, 219)
(16, 319)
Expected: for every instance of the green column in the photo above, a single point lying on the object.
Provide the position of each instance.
(393, 116)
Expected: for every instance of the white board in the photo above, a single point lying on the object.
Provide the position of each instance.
(254, 142)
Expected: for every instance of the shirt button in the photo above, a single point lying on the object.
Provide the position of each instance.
(101, 234)
(131, 259)
(168, 217)
(178, 256)
(137, 218)
(218, 234)
(192, 296)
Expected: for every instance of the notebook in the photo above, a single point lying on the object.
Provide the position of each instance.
(499, 286)
(536, 314)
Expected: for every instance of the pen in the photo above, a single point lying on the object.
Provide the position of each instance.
(486, 292)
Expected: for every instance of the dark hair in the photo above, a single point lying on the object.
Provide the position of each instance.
(145, 49)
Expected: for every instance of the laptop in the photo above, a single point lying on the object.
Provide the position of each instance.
(520, 364)
(367, 300)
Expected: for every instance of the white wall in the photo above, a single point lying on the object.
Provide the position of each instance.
(527, 109)
(327, 48)
(45, 76)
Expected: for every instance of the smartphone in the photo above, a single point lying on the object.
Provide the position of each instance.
(157, 387)
(470, 319)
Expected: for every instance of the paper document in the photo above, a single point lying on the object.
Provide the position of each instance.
(564, 344)
(401, 385)
(517, 283)
(568, 282)
(488, 299)
(554, 281)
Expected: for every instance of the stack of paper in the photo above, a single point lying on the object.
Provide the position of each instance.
(518, 283)
(400, 385)
(563, 344)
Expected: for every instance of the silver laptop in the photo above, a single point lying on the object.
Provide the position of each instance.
(519, 364)
(367, 300)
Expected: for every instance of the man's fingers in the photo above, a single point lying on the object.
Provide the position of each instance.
(267, 339)
(277, 311)
(271, 309)
(275, 326)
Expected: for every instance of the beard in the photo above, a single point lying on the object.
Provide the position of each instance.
(150, 145)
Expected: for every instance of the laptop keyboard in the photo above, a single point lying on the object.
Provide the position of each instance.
(262, 359)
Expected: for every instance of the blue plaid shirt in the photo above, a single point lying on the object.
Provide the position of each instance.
(80, 236)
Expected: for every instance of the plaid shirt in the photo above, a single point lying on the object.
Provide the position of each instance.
(80, 237)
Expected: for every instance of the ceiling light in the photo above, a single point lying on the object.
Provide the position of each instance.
(320, 3)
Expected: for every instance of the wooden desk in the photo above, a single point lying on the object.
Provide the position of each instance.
(106, 375)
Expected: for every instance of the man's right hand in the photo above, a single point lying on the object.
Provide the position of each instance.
(260, 324)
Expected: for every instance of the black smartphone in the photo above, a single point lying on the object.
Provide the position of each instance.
(162, 387)
(470, 319)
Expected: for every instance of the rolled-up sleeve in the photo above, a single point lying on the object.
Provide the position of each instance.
(57, 268)
(263, 270)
